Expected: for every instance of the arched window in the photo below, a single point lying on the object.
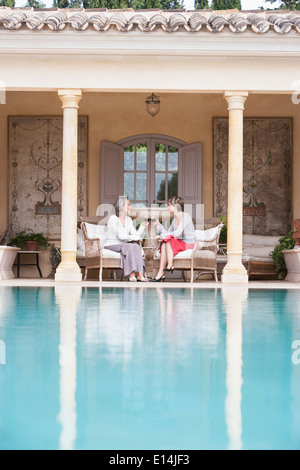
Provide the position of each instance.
(150, 169)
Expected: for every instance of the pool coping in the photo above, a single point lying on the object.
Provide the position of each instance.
(32, 282)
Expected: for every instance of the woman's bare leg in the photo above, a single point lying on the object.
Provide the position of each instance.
(163, 261)
(170, 256)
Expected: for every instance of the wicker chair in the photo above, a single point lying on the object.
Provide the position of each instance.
(202, 258)
(97, 257)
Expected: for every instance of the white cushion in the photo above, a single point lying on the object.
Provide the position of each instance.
(96, 231)
(80, 243)
(187, 254)
(258, 253)
(207, 235)
(260, 240)
(80, 253)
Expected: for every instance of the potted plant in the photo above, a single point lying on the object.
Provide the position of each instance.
(55, 259)
(223, 234)
(285, 243)
(32, 241)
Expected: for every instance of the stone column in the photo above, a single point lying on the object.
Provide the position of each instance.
(68, 270)
(234, 271)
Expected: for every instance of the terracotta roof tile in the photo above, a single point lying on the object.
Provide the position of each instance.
(259, 21)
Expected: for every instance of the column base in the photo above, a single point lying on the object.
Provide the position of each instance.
(68, 273)
(234, 278)
(235, 275)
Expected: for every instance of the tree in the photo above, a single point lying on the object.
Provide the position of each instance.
(61, 4)
(7, 3)
(35, 4)
(119, 4)
(289, 4)
(226, 4)
(171, 5)
(201, 4)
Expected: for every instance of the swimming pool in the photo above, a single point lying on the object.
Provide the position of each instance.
(149, 368)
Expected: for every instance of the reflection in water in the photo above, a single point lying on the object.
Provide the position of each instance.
(2, 353)
(7, 305)
(67, 298)
(121, 321)
(152, 356)
(235, 302)
(149, 368)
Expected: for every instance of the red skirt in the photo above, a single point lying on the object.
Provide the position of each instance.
(177, 245)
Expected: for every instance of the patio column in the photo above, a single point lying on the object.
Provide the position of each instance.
(68, 270)
(234, 271)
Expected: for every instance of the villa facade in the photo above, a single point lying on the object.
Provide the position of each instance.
(75, 132)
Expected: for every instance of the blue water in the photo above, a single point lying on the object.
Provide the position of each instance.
(149, 369)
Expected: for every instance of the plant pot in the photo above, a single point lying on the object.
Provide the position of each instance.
(7, 258)
(32, 246)
(292, 261)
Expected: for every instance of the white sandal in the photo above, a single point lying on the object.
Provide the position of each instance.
(133, 279)
(141, 279)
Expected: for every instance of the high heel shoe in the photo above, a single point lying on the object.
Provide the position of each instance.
(169, 270)
(162, 278)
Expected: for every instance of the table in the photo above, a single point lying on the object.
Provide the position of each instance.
(36, 264)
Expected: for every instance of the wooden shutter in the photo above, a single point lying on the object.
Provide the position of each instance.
(190, 173)
(112, 172)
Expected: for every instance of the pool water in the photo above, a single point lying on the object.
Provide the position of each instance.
(153, 368)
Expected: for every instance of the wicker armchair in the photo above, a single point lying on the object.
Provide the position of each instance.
(202, 258)
(97, 257)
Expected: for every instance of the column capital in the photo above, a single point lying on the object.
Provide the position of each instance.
(236, 99)
(70, 98)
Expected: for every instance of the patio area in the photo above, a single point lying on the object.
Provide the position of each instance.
(74, 142)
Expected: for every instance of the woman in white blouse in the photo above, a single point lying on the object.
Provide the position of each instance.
(120, 232)
(180, 237)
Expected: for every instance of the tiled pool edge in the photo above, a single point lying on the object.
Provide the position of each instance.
(32, 282)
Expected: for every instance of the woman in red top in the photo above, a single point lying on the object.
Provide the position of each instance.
(180, 237)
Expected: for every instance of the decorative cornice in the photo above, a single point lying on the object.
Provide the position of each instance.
(260, 22)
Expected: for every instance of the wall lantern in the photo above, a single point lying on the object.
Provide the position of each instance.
(153, 105)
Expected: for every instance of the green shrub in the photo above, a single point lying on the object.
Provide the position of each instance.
(223, 234)
(285, 243)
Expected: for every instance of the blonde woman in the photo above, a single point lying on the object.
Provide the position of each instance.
(120, 232)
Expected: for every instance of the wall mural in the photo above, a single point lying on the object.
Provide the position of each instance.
(35, 156)
(267, 173)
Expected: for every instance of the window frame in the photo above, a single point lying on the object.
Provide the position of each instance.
(151, 140)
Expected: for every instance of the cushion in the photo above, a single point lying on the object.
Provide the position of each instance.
(96, 231)
(260, 240)
(207, 235)
(187, 254)
(80, 243)
(258, 253)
